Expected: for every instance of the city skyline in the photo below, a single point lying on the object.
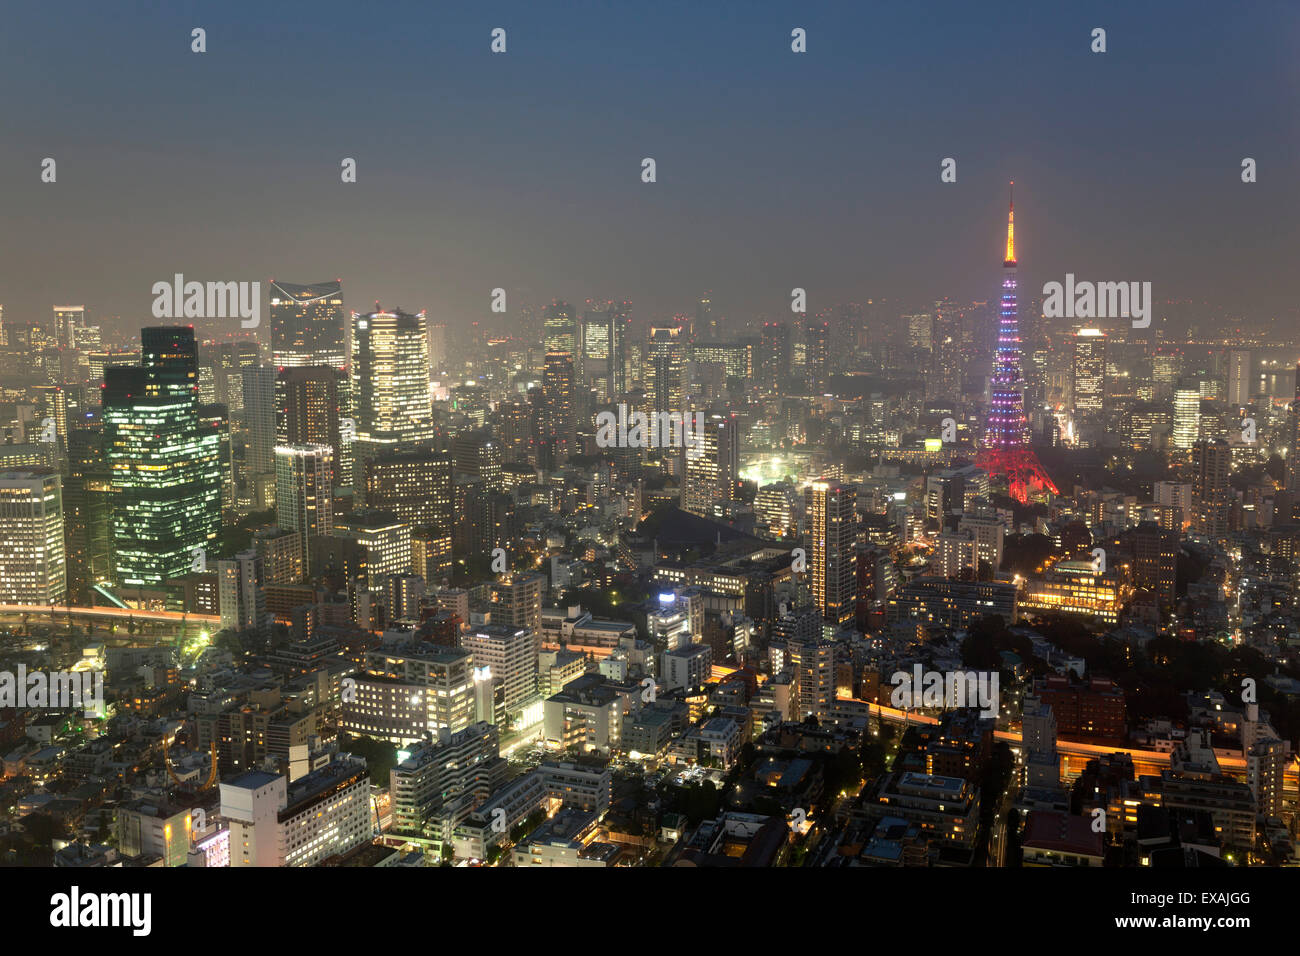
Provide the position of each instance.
(697, 438)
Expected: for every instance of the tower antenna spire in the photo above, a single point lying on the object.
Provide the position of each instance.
(1011, 224)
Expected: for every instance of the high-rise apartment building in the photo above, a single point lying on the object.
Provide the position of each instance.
(832, 533)
(555, 418)
(811, 661)
(1212, 495)
(517, 601)
(774, 353)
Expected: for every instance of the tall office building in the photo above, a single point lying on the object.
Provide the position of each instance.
(1166, 369)
(307, 325)
(1187, 415)
(165, 465)
(52, 407)
(404, 694)
(713, 466)
(774, 509)
(216, 418)
(920, 331)
(33, 567)
(736, 359)
(87, 515)
(604, 349)
(390, 383)
(560, 328)
(665, 369)
(774, 355)
(1239, 383)
(477, 453)
(832, 554)
(307, 403)
(514, 423)
(816, 338)
(943, 377)
(1088, 386)
(304, 498)
(510, 656)
(706, 323)
(438, 355)
(68, 320)
(384, 540)
(227, 362)
(1155, 552)
(415, 485)
(258, 387)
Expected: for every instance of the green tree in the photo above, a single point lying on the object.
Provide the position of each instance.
(380, 756)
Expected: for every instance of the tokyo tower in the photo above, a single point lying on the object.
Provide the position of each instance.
(1006, 448)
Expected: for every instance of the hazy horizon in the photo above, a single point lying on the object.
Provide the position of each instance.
(522, 170)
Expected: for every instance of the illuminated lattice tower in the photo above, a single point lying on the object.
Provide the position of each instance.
(1006, 448)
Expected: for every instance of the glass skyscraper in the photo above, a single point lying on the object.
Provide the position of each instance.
(164, 464)
(390, 382)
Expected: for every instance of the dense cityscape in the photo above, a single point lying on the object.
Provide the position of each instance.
(969, 586)
(691, 436)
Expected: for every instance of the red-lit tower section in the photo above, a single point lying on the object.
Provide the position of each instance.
(1006, 448)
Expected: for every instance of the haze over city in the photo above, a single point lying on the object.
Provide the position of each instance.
(522, 171)
(706, 435)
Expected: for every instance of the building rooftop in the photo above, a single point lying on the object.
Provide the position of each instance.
(252, 780)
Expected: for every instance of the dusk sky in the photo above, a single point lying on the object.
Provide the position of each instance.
(522, 170)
